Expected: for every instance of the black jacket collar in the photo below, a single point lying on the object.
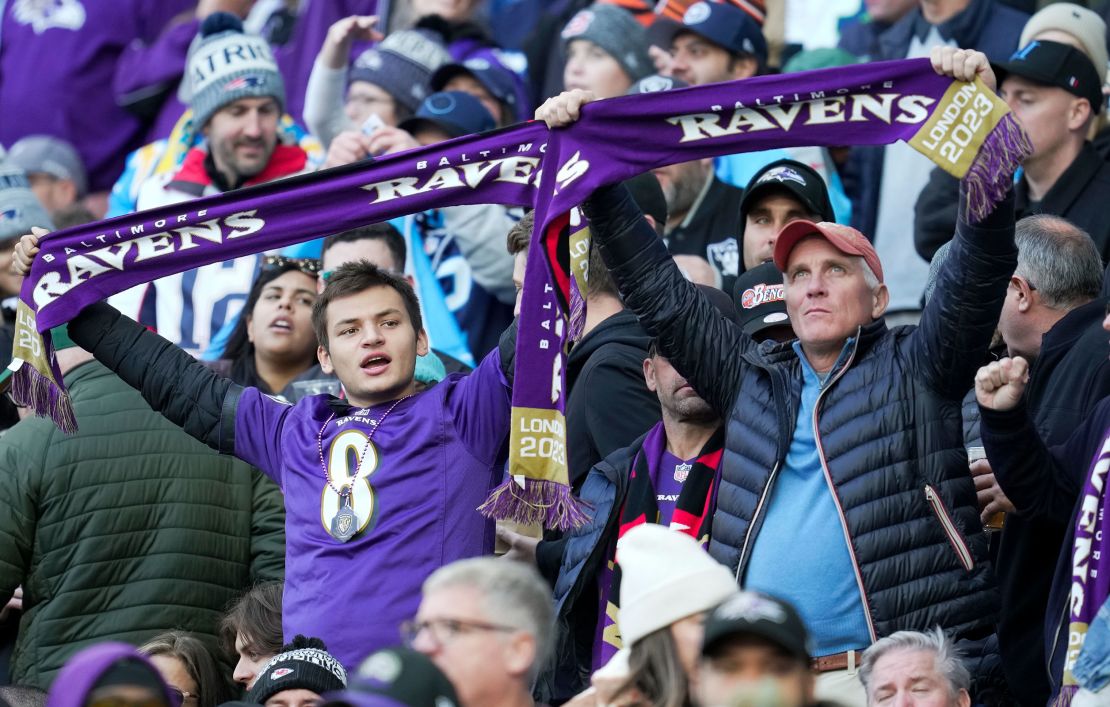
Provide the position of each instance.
(1067, 189)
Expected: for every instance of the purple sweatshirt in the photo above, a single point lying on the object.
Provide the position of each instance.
(436, 461)
(57, 62)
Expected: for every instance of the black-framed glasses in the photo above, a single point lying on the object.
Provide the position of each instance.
(443, 631)
(309, 266)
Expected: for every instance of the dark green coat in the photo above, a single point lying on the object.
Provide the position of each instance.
(128, 528)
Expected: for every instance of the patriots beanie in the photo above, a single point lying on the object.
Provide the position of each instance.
(19, 208)
(225, 65)
(401, 65)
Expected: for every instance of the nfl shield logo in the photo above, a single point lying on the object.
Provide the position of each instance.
(682, 471)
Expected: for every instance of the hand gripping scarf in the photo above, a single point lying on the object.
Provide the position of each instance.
(962, 127)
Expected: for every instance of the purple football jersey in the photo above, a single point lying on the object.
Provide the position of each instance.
(429, 466)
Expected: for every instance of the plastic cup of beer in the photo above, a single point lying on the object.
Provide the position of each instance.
(995, 523)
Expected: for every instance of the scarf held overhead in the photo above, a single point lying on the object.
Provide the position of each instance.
(962, 127)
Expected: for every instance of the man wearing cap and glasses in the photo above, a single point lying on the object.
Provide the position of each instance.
(842, 440)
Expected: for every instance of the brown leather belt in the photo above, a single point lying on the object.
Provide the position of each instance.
(848, 660)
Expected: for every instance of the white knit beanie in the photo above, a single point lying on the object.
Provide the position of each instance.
(665, 577)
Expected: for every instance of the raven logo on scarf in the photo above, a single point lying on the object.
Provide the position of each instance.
(962, 127)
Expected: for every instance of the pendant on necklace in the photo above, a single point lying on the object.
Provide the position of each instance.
(344, 524)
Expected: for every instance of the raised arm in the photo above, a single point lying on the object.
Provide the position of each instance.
(1039, 481)
(185, 391)
(699, 343)
(960, 318)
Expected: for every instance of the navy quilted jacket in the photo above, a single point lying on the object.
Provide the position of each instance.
(888, 420)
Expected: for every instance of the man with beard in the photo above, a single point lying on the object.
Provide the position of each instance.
(237, 101)
(667, 476)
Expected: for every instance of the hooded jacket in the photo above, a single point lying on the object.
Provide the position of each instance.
(125, 529)
(888, 427)
(609, 404)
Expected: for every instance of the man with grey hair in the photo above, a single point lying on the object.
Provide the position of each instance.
(915, 668)
(1052, 317)
(486, 623)
(843, 450)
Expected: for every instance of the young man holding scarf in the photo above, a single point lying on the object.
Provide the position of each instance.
(667, 476)
(380, 488)
(237, 101)
(844, 485)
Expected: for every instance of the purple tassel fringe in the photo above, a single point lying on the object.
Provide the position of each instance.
(36, 391)
(541, 501)
(577, 312)
(990, 177)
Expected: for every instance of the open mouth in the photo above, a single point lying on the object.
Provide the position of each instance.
(375, 363)
(282, 324)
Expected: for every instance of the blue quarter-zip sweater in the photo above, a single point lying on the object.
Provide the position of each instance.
(800, 553)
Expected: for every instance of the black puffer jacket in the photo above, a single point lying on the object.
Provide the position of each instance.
(889, 426)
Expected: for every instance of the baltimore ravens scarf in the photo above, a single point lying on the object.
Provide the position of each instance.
(962, 127)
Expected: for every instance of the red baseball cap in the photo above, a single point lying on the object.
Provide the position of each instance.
(844, 238)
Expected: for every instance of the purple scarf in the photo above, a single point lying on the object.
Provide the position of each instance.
(1090, 566)
(962, 127)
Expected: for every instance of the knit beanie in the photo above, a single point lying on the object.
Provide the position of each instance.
(225, 65)
(665, 577)
(617, 32)
(304, 664)
(19, 207)
(1088, 28)
(401, 64)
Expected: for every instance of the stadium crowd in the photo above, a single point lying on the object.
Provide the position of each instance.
(837, 441)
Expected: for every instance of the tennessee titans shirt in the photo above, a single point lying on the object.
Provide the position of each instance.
(421, 474)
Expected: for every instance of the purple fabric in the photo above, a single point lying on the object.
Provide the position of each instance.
(522, 165)
(1090, 563)
(144, 69)
(82, 671)
(57, 63)
(437, 461)
(296, 58)
(664, 477)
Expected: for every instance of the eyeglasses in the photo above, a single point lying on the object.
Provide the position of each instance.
(443, 631)
(309, 266)
(182, 696)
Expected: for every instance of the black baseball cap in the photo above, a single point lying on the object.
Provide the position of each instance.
(396, 677)
(800, 180)
(648, 195)
(757, 614)
(759, 298)
(722, 23)
(454, 112)
(1055, 64)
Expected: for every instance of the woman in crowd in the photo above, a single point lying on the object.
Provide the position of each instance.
(274, 342)
(606, 51)
(251, 631)
(188, 668)
(668, 584)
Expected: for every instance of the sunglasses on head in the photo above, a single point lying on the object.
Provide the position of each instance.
(309, 266)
